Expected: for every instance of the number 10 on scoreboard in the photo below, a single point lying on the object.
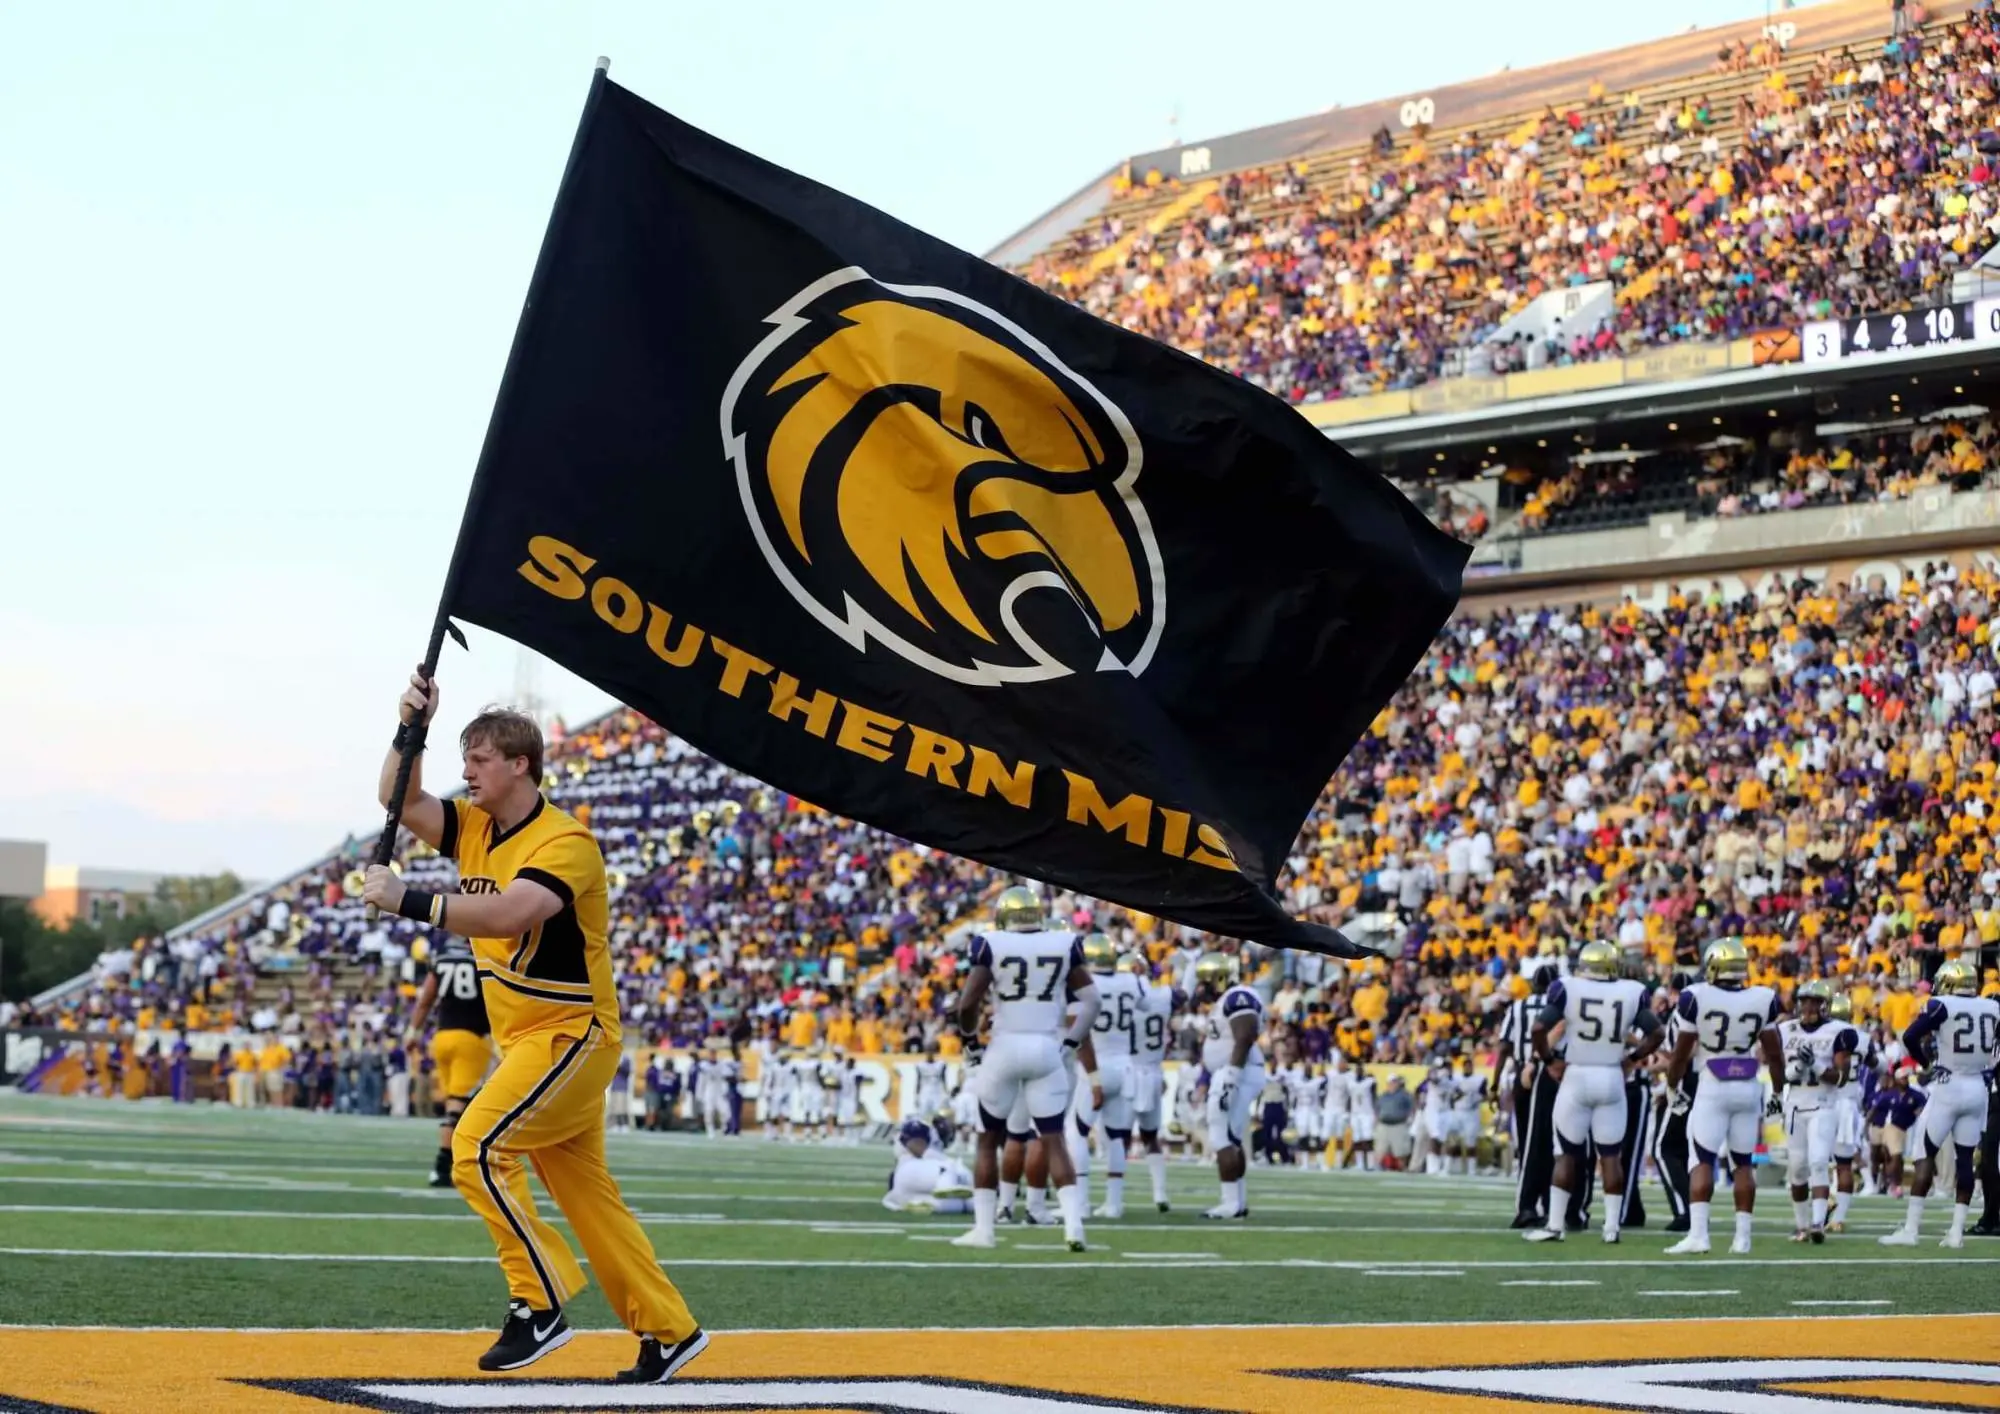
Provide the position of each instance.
(1831, 340)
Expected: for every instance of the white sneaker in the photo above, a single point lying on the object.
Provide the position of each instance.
(1107, 1211)
(1899, 1238)
(975, 1238)
(1688, 1244)
(951, 1190)
(1542, 1234)
(1221, 1214)
(1953, 1240)
(1739, 1247)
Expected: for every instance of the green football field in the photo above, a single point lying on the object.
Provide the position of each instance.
(142, 1215)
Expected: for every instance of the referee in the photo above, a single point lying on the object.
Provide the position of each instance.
(1513, 1068)
(534, 904)
(1538, 1130)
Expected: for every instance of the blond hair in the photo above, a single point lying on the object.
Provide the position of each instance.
(508, 732)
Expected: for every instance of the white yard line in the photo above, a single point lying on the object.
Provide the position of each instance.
(1722, 1291)
(1551, 1283)
(1300, 1263)
(1879, 1302)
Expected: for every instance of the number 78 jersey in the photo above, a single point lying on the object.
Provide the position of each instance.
(1029, 970)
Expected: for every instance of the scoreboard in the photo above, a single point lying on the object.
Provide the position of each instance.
(1832, 340)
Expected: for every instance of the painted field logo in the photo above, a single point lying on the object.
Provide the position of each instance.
(1795, 1386)
(878, 1395)
(923, 473)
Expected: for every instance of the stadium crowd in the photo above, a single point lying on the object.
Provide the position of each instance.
(1814, 769)
(1848, 183)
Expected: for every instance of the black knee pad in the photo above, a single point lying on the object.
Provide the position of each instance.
(1082, 1127)
(1049, 1124)
(1020, 1136)
(1968, 1170)
(992, 1123)
(1739, 1161)
(1706, 1156)
(1118, 1136)
(1151, 1139)
(1580, 1151)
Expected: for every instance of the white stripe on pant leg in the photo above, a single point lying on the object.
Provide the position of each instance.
(1527, 1142)
(1638, 1158)
(1660, 1164)
(549, 1085)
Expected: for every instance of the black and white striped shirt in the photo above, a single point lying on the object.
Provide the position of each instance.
(1517, 1031)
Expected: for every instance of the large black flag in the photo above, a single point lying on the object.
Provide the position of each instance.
(859, 514)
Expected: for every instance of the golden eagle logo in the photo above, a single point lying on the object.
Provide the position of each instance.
(922, 473)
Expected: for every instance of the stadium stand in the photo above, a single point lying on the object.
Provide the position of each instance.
(1766, 188)
(1811, 763)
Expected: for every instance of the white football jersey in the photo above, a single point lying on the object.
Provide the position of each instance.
(1361, 1092)
(777, 1079)
(1967, 1030)
(1156, 1019)
(1335, 1089)
(1468, 1093)
(1029, 975)
(1220, 1043)
(930, 1076)
(1438, 1087)
(1115, 1033)
(1727, 1022)
(1809, 1055)
(1597, 1015)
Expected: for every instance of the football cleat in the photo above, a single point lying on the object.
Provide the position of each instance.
(1221, 1214)
(1543, 1234)
(921, 1206)
(659, 1362)
(975, 1238)
(1035, 1219)
(1076, 1244)
(1818, 1235)
(1740, 1247)
(1005, 1215)
(1612, 1239)
(1164, 1206)
(1985, 1227)
(525, 1337)
(1899, 1238)
(1799, 1234)
(1107, 1211)
(438, 1180)
(951, 1190)
(1688, 1245)
(1836, 1226)
(1951, 1240)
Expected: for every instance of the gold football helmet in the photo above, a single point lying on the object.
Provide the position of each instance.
(1100, 954)
(1957, 978)
(1018, 911)
(1599, 960)
(1815, 991)
(1841, 1008)
(1726, 960)
(1131, 962)
(1217, 969)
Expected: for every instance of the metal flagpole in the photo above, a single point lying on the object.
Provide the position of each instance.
(413, 742)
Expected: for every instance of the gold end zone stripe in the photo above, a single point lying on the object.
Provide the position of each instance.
(1254, 1370)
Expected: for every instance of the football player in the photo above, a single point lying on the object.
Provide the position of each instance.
(1850, 1125)
(846, 1097)
(1819, 1056)
(1114, 1039)
(926, 1179)
(774, 1095)
(1361, 1116)
(1958, 1032)
(1157, 1004)
(1335, 1098)
(930, 1084)
(1725, 1025)
(1436, 1093)
(808, 1098)
(1031, 974)
(1607, 1028)
(1468, 1096)
(462, 1049)
(1234, 1060)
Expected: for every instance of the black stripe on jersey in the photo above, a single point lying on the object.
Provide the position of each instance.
(554, 885)
(569, 998)
(558, 950)
(495, 836)
(448, 842)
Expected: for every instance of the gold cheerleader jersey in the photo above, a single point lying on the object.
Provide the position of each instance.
(557, 975)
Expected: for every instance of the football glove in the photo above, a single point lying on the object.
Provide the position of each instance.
(1774, 1106)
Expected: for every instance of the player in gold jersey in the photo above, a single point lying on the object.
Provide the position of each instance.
(532, 900)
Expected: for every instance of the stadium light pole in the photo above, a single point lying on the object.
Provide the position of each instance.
(413, 742)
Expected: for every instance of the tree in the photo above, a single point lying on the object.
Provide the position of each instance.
(35, 957)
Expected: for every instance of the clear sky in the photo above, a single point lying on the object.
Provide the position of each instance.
(260, 263)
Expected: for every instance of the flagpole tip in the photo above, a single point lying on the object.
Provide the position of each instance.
(604, 63)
